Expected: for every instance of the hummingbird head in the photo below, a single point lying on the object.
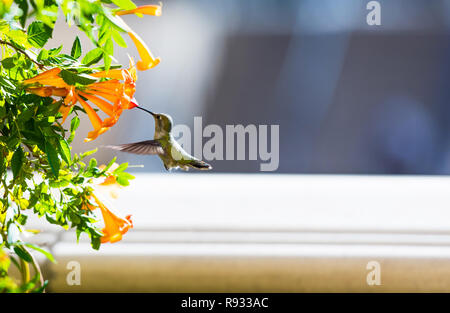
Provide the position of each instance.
(163, 122)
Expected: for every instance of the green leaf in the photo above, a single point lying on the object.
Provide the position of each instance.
(59, 183)
(109, 51)
(127, 176)
(23, 254)
(122, 167)
(44, 252)
(4, 26)
(109, 47)
(88, 153)
(73, 78)
(92, 57)
(42, 288)
(95, 242)
(104, 33)
(124, 4)
(74, 124)
(22, 219)
(76, 48)
(52, 157)
(2, 164)
(23, 5)
(17, 161)
(43, 55)
(39, 34)
(19, 37)
(26, 115)
(92, 164)
(64, 150)
(116, 21)
(13, 140)
(118, 38)
(109, 165)
(50, 219)
(75, 218)
(24, 203)
(8, 63)
(54, 51)
(122, 181)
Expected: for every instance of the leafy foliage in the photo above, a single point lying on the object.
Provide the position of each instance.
(39, 174)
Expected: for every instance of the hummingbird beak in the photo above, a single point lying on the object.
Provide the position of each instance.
(146, 110)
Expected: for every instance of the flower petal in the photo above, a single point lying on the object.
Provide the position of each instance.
(65, 111)
(115, 225)
(108, 96)
(93, 117)
(110, 180)
(150, 9)
(41, 91)
(52, 73)
(147, 61)
(102, 104)
(119, 94)
(114, 73)
(54, 81)
(95, 133)
(95, 121)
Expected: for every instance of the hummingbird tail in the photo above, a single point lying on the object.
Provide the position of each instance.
(200, 165)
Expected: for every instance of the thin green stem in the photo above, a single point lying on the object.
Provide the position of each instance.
(36, 267)
(25, 271)
(3, 42)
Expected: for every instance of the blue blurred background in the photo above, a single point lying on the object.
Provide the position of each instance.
(349, 97)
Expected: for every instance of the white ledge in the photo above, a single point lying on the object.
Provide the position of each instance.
(341, 222)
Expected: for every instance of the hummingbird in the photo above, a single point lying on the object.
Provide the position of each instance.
(164, 145)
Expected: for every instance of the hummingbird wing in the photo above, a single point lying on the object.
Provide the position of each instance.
(141, 147)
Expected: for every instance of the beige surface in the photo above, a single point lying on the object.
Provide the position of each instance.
(201, 274)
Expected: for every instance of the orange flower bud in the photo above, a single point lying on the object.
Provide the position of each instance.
(118, 90)
(115, 225)
(147, 61)
(151, 9)
(52, 73)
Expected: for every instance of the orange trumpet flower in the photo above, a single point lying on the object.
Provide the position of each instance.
(52, 73)
(95, 121)
(117, 94)
(151, 9)
(147, 61)
(115, 224)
